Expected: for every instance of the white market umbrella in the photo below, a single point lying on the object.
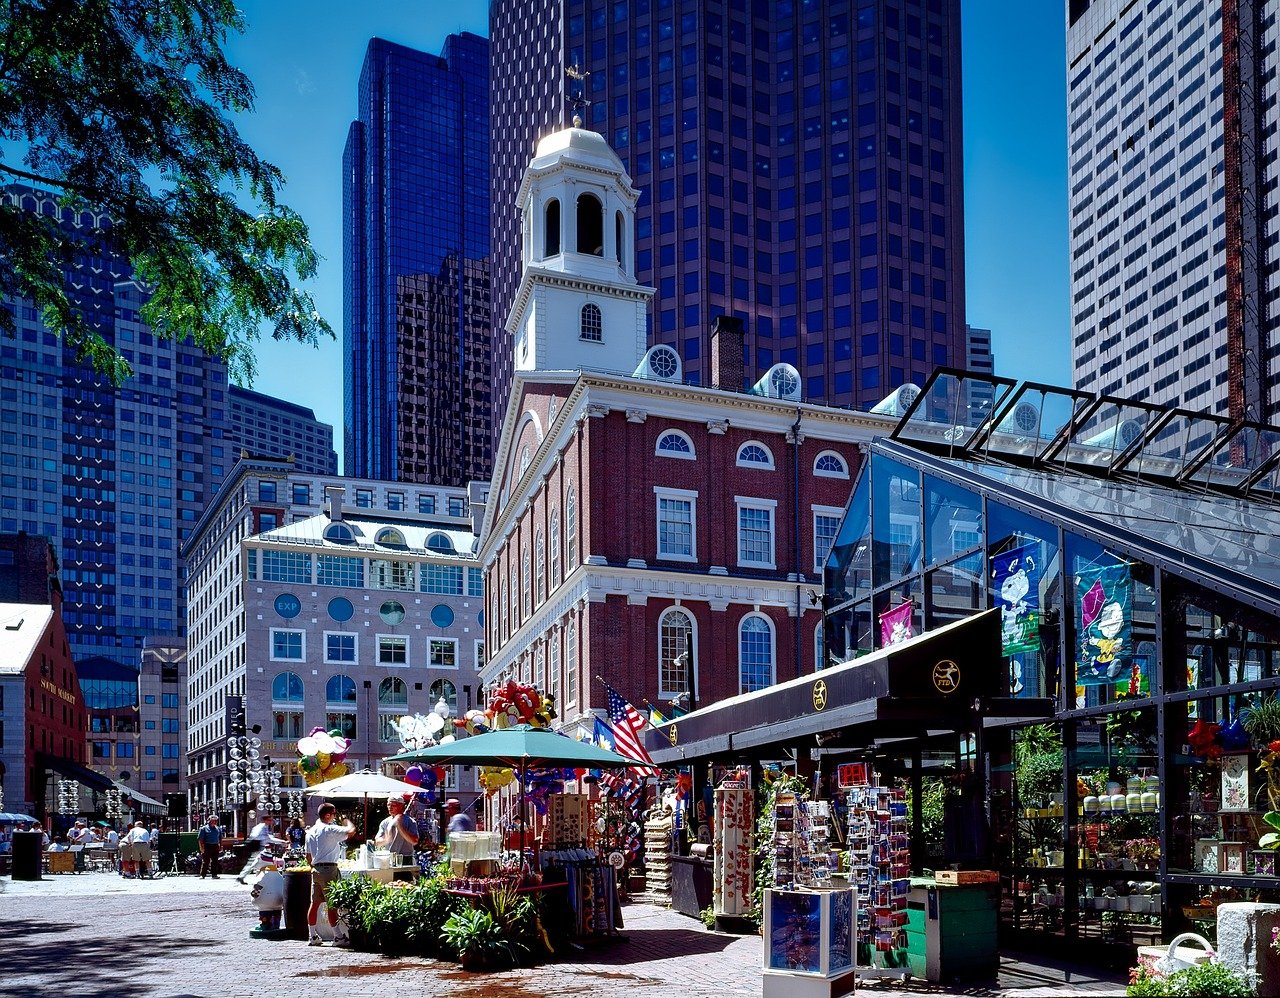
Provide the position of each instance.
(363, 785)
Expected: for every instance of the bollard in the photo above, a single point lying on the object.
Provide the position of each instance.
(1244, 942)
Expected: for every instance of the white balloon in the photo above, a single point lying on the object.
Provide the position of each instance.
(324, 743)
(434, 723)
(447, 739)
(307, 746)
(340, 745)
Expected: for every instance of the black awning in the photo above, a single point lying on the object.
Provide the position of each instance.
(74, 771)
(939, 681)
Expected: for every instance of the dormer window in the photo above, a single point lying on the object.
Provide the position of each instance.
(440, 543)
(339, 533)
(551, 230)
(591, 325)
(590, 225)
(390, 538)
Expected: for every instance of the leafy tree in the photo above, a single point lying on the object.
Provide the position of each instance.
(124, 107)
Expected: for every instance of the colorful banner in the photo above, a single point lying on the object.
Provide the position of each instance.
(1015, 577)
(1104, 618)
(895, 625)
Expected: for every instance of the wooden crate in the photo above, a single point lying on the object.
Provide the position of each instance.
(61, 862)
(959, 878)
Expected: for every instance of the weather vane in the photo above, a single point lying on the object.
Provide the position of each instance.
(578, 101)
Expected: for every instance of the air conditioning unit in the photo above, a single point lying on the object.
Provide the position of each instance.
(661, 363)
(1117, 437)
(899, 402)
(782, 381)
(1024, 419)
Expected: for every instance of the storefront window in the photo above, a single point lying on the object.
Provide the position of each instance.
(952, 521)
(848, 571)
(1112, 624)
(1025, 578)
(896, 520)
(953, 592)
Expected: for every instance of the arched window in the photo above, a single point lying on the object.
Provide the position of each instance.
(340, 689)
(754, 454)
(524, 460)
(443, 688)
(287, 688)
(829, 464)
(555, 549)
(506, 619)
(390, 537)
(570, 531)
(551, 231)
(539, 568)
(570, 666)
(441, 543)
(526, 585)
(339, 533)
(618, 235)
(392, 692)
(755, 654)
(677, 652)
(590, 225)
(673, 443)
(591, 325)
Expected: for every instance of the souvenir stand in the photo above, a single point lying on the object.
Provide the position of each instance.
(880, 873)
(809, 925)
(570, 855)
(733, 857)
(657, 853)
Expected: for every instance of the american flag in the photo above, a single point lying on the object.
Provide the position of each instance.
(626, 723)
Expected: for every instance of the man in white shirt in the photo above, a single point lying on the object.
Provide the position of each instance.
(326, 845)
(398, 833)
(261, 835)
(138, 841)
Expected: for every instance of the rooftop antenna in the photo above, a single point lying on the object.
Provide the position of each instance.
(577, 101)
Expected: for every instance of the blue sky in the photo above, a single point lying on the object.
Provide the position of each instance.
(304, 57)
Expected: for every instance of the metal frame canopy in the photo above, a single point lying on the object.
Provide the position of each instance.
(944, 680)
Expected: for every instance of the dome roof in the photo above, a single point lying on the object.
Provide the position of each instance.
(579, 144)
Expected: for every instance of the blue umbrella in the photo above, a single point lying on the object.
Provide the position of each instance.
(12, 818)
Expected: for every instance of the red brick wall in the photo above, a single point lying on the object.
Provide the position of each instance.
(54, 724)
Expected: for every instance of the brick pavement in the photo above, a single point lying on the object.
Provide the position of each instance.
(179, 937)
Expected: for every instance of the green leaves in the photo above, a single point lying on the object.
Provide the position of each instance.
(123, 107)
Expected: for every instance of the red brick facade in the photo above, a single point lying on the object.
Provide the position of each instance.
(599, 596)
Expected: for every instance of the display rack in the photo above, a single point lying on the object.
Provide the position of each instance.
(657, 854)
(880, 873)
(732, 877)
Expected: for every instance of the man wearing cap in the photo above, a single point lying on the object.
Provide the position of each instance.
(210, 840)
(398, 833)
(459, 820)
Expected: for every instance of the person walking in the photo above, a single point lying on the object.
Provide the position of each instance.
(297, 835)
(326, 844)
(210, 840)
(139, 842)
(458, 819)
(261, 836)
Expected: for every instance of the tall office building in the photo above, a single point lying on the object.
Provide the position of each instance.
(800, 167)
(1173, 229)
(979, 360)
(416, 332)
(263, 425)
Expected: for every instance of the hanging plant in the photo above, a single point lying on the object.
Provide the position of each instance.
(1261, 719)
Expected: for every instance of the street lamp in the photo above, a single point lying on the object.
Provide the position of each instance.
(68, 797)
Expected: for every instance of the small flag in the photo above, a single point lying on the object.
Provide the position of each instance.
(895, 624)
(655, 716)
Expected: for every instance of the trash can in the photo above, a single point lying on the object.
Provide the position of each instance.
(28, 856)
(297, 901)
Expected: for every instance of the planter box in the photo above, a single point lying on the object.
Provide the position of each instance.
(958, 878)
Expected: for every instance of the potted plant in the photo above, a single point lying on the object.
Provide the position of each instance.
(478, 940)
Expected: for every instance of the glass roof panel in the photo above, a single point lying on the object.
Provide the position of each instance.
(1105, 432)
(1171, 445)
(953, 406)
(1237, 455)
(1033, 419)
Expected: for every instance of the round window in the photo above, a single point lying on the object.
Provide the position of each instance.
(288, 605)
(441, 615)
(340, 608)
(480, 618)
(391, 612)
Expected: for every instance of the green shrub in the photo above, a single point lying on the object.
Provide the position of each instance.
(1204, 980)
(479, 940)
(708, 916)
(351, 898)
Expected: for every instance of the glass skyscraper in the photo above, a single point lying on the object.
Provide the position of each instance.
(416, 332)
(800, 166)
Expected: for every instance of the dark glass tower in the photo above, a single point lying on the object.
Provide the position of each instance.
(416, 334)
(801, 167)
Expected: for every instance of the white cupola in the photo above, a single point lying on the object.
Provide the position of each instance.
(578, 306)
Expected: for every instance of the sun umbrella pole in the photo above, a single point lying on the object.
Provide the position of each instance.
(523, 767)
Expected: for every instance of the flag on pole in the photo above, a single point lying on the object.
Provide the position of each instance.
(626, 724)
(655, 716)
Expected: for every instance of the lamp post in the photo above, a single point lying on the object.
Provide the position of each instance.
(244, 772)
(68, 797)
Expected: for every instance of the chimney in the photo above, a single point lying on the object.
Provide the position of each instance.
(335, 494)
(727, 368)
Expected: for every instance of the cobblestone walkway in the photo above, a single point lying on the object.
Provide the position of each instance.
(179, 937)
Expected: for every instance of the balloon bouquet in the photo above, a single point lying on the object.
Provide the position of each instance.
(509, 705)
(321, 755)
(419, 731)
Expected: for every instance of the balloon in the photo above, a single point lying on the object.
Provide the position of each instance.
(435, 724)
(414, 775)
(325, 744)
(441, 773)
(335, 732)
(308, 765)
(340, 745)
(307, 746)
(430, 795)
(316, 730)
(423, 797)
(447, 740)
(324, 760)
(336, 770)
(426, 777)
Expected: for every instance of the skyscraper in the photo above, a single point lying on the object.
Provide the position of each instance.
(799, 167)
(1173, 230)
(416, 332)
(271, 427)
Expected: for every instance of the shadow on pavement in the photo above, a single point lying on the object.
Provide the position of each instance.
(644, 945)
(78, 959)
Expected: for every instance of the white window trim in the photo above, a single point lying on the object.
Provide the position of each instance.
(773, 649)
(340, 706)
(658, 452)
(408, 651)
(818, 511)
(693, 637)
(660, 493)
(289, 706)
(770, 466)
(746, 502)
(391, 708)
(345, 634)
(457, 664)
(831, 474)
(475, 653)
(271, 647)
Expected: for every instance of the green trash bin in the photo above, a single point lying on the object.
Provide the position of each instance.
(951, 931)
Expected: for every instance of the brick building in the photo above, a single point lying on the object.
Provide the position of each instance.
(640, 529)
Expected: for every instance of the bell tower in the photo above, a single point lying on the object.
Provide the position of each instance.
(578, 306)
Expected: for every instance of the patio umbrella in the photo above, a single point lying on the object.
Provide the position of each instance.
(364, 784)
(13, 817)
(521, 748)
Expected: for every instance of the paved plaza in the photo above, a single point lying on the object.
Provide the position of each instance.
(97, 934)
